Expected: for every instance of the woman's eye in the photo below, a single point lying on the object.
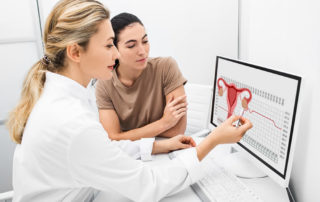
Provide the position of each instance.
(109, 46)
(145, 42)
(131, 46)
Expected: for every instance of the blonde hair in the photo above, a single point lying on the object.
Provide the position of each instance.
(71, 21)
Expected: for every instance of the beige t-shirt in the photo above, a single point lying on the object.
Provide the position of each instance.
(144, 101)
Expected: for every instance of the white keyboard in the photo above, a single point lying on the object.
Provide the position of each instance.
(220, 185)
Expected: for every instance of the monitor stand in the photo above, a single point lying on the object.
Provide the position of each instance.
(240, 166)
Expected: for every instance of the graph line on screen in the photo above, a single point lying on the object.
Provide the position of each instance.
(253, 111)
(265, 110)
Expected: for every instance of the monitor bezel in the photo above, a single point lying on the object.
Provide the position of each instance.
(257, 160)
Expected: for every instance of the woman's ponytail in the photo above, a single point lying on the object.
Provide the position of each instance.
(71, 21)
(31, 91)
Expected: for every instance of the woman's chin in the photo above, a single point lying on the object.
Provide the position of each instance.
(141, 67)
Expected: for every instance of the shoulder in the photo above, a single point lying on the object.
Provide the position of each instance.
(77, 116)
(161, 61)
(104, 84)
(162, 65)
(72, 109)
(103, 87)
(65, 114)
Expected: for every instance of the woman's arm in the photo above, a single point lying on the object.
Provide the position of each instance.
(172, 144)
(180, 127)
(102, 165)
(224, 133)
(174, 111)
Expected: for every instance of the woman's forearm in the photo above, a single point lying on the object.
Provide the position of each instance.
(160, 147)
(180, 128)
(207, 145)
(147, 131)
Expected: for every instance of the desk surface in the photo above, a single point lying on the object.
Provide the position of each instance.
(266, 188)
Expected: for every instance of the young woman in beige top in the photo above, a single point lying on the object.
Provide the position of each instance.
(145, 97)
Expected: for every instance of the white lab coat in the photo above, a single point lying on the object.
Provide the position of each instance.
(65, 152)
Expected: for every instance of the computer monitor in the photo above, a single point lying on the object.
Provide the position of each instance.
(269, 99)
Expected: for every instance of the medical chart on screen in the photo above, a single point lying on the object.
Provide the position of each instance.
(266, 99)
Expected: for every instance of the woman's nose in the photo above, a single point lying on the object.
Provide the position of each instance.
(141, 50)
(116, 54)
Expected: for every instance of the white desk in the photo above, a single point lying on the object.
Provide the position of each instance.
(267, 189)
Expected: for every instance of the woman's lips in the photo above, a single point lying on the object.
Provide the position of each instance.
(142, 60)
(111, 67)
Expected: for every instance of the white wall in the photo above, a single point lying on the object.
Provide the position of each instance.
(20, 47)
(190, 31)
(285, 35)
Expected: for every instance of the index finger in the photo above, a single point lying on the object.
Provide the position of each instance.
(232, 119)
(246, 124)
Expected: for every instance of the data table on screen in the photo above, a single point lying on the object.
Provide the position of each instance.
(267, 98)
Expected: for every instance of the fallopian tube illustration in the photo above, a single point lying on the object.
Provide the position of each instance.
(232, 94)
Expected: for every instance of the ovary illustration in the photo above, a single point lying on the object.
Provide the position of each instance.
(232, 94)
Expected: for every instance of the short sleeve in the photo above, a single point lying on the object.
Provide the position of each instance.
(102, 96)
(171, 75)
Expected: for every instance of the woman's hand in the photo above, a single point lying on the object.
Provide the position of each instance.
(174, 143)
(226, 132)
(175, 109)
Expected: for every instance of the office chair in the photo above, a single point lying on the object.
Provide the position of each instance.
(199, 102)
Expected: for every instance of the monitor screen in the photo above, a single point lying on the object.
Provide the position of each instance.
(268, 98)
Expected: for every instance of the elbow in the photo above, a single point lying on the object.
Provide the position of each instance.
(180, 129)
(113, 136)
(174, 132)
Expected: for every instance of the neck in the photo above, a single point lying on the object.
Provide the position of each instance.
(127, 75)
(73, 72)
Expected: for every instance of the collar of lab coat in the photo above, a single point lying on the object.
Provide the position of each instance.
(66, 84)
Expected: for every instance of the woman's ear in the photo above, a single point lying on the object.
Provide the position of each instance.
(73, 52)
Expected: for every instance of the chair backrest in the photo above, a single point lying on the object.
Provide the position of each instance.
(199, 99)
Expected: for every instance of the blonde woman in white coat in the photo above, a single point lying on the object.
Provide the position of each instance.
(63, 152)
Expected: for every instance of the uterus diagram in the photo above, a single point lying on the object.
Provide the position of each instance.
(232, 95)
